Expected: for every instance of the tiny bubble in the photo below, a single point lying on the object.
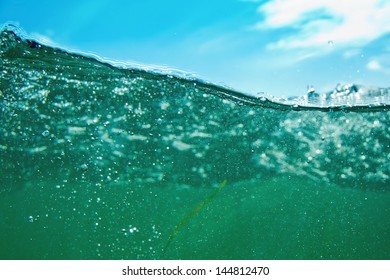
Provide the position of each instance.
(84, 167)
(45, 133)
(330, 43)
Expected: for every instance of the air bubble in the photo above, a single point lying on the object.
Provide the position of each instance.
(84, 167)
(45, 133)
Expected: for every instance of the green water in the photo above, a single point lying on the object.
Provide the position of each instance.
(103, 161)
(283, 218)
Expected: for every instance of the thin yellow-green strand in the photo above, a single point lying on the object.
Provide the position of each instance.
(192, 213)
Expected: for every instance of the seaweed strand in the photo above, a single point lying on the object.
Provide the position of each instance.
(192, 213)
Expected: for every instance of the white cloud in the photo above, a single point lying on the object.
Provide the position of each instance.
(352, 53)
(374, 65)
(378, 66)
(315, 23)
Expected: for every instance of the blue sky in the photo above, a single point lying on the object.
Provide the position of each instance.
(277, 46)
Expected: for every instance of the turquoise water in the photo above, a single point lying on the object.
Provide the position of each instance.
(102, 161)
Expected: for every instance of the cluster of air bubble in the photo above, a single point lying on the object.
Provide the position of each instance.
(72, 118)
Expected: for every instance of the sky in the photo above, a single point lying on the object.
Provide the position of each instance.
(275, 47)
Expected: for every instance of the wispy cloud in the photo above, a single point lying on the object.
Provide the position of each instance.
(378, 66)
(316, 23)
(374, 65)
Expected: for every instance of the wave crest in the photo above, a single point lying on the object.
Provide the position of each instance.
(71, 117)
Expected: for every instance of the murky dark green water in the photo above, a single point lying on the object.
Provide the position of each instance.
(103, 162)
